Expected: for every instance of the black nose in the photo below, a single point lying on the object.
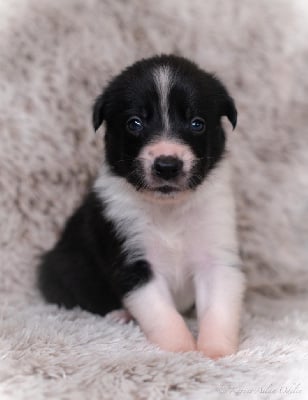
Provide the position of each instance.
(167, 167)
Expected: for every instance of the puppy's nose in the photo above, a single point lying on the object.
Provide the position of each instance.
(167, 167)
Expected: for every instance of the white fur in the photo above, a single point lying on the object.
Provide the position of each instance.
(163, 80)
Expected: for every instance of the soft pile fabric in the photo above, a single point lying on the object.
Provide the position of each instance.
(55, 56)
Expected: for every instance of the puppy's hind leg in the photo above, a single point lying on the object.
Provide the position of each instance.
(69, 279)
(121, 316)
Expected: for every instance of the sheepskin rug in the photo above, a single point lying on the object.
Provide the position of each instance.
(55, 56)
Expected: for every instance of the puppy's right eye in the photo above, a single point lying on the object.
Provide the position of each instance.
(197, 125)
(134, 125)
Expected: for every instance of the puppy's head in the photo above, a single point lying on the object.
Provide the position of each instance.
(163, 124)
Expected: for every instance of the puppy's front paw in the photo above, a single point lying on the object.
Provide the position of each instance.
(172, 334)
(214, 343)
(174, 341)
(218, 337)
(217, 349)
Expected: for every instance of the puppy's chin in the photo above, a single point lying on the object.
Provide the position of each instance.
(162, 191)
(165, 195)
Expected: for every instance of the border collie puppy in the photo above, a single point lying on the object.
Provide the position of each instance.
(157, 232)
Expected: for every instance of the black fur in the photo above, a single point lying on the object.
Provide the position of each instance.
(87, 266)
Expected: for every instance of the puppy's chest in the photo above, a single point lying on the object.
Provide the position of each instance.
(170, 247)
(166, 250)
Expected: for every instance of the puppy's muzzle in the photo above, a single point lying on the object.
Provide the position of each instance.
(167, 167)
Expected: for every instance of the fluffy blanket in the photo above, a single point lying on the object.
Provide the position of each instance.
(55, 56)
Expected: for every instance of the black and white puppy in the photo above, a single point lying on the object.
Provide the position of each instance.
(157, 233)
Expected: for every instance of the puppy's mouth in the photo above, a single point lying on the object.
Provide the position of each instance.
(166, 189)
(165, 193)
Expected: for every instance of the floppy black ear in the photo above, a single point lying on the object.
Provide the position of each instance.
(98, 112)
(229, 110)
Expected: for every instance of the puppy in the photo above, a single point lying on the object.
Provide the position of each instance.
(157, 232)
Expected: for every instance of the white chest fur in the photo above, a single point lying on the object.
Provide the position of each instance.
(179, 239)
(167, 243)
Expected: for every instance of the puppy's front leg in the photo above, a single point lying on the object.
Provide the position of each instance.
(219, 292)
(151, 305)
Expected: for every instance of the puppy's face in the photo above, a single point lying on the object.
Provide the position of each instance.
(163, 125)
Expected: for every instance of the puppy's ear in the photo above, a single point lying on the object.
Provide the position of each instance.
(228, 109)
(98, 115)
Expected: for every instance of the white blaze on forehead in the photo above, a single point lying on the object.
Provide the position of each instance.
(163, 82)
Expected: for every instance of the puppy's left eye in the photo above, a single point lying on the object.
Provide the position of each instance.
(197, 125)
(134, 125)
